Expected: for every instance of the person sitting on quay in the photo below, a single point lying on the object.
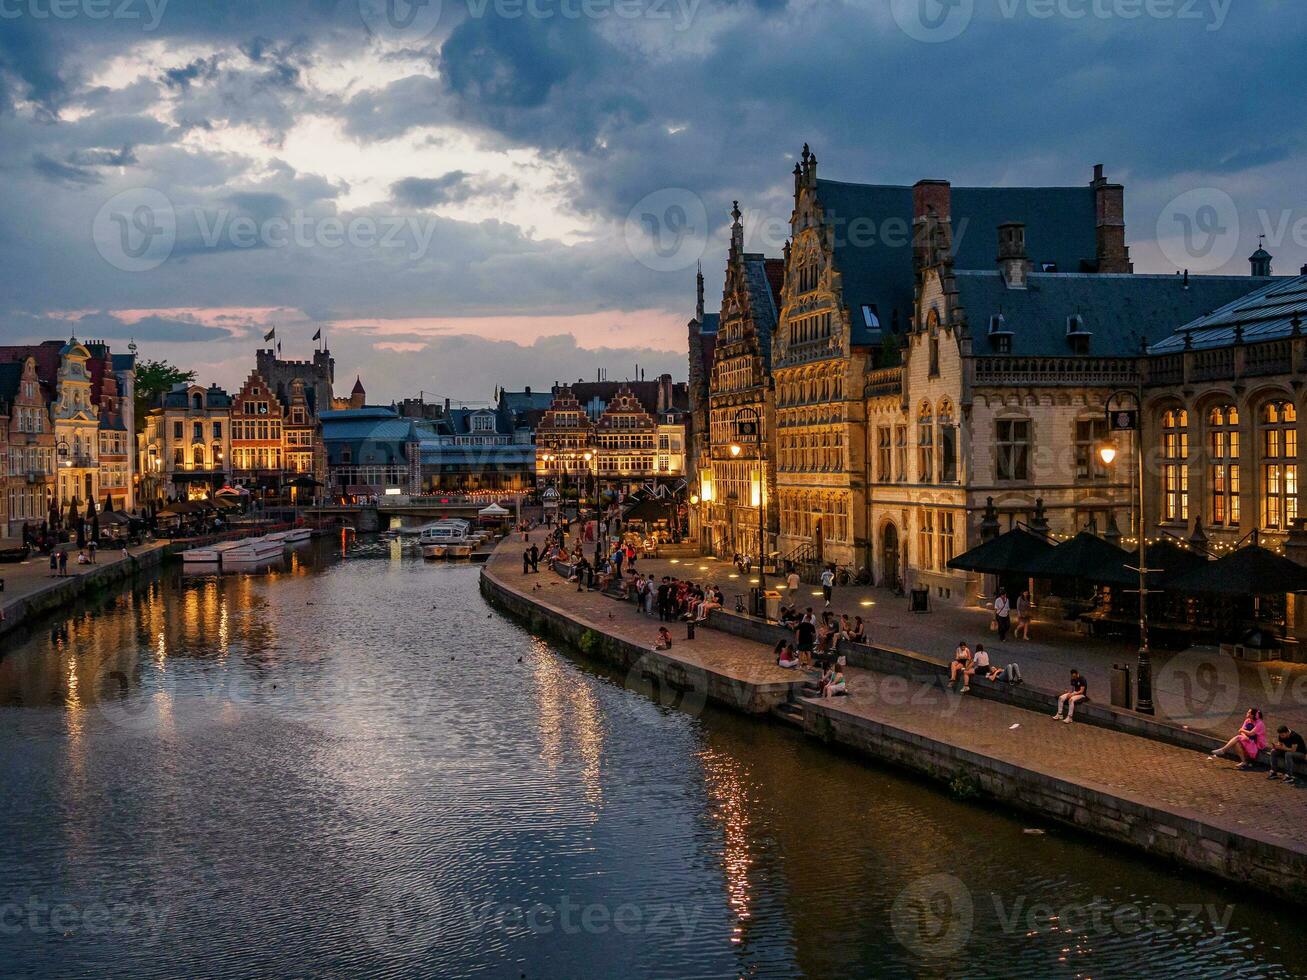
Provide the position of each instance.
(859, 634)
(1077, 691)
(788, 657)
(712, 599)
(1248, 741)
(816, 689)
(960, 665)
(1288, 744)
(846, 627)
(81, 557)
(1011, 673)
(979, 665)
(835, 686)
(664, 641)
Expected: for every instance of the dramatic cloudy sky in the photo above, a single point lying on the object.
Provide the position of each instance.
(479, 192)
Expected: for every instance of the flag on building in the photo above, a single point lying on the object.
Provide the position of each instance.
(270, 335)
(318, 335)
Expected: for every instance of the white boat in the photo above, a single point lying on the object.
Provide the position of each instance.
(211, 554)
(254, 550)
(294, 536)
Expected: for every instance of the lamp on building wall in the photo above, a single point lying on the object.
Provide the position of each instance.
(748, 426)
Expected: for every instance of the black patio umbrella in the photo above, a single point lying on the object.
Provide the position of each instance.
(1007, 553)
(1171, 559)
(1252, 570)
(1085, 557)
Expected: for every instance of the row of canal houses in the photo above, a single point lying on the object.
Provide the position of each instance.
(67, 422)
(925, 366)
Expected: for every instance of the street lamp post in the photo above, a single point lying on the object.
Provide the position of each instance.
(1144, 667)
(748, 423)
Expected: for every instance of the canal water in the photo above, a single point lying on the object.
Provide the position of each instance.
(351, 766)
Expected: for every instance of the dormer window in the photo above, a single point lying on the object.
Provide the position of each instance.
(1077, 334)
(870, 317)
(999, 335)
(1048, 267)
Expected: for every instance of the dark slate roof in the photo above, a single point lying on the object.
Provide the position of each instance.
(763, 304)
(711, 323)
(1266, 313)
(1119, 311)
(875, 256)
(459, 421)
(123, 362)
(525, 401)
(180, 397)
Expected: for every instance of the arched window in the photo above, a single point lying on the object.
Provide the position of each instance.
(1175, 465)
(1223, 476)
(925, 444)
(1279, 465)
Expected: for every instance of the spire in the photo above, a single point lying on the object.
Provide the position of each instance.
(737, 231)
(698, 306)
(358, 385)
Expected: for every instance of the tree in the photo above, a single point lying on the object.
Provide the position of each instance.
(153, 380)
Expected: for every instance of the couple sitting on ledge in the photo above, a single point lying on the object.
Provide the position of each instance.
(967, 663)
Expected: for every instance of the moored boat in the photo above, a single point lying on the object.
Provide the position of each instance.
(254, 550)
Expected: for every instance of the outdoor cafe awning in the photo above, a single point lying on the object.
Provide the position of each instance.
(1007, 553)
(1087, 558)
(1252, 571)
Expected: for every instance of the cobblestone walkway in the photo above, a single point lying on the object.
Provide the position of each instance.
(1151, 773)
(22, 579)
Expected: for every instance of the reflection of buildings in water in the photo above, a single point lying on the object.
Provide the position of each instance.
(725, 781)
(571, 722)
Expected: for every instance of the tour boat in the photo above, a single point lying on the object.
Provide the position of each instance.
(294, 536)
(445, 538)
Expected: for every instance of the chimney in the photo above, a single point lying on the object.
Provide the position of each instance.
(528, 391)
(1013, 264)
(1109, 211)
(932, 194)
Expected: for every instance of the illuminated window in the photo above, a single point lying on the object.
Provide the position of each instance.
(1223, 468)
(1279, 465)
(1175, 465)
(926, 539)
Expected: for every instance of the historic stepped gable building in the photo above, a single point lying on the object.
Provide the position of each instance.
(1018, 338)
(732, 488)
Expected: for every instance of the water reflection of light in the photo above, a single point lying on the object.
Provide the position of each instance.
(570, 722)
(727, 790)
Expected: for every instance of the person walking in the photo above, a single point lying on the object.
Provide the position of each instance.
(792, 582)
(1002, 614)
(828, 583)
(1025, 608)
(63, 563)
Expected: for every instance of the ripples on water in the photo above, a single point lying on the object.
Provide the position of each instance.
(350, 768)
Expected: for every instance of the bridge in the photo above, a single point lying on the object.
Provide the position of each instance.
(398, 510)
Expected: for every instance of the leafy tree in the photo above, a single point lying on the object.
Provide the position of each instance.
(153, 380)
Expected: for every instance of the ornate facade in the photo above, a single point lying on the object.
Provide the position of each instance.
(76, 428)
(185, 446)
(734, 486)
(29, 475)
(257, 418)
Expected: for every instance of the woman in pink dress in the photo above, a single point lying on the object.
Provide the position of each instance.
(1249, 741)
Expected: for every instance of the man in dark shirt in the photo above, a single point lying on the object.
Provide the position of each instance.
(535, 559)
(663, 601)
(1287, 744)
(805, 638)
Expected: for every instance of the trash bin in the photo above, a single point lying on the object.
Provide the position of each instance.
(1121, 692)
(772, 605)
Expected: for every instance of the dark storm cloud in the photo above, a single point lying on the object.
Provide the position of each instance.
(24, 328)
(622, 109)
